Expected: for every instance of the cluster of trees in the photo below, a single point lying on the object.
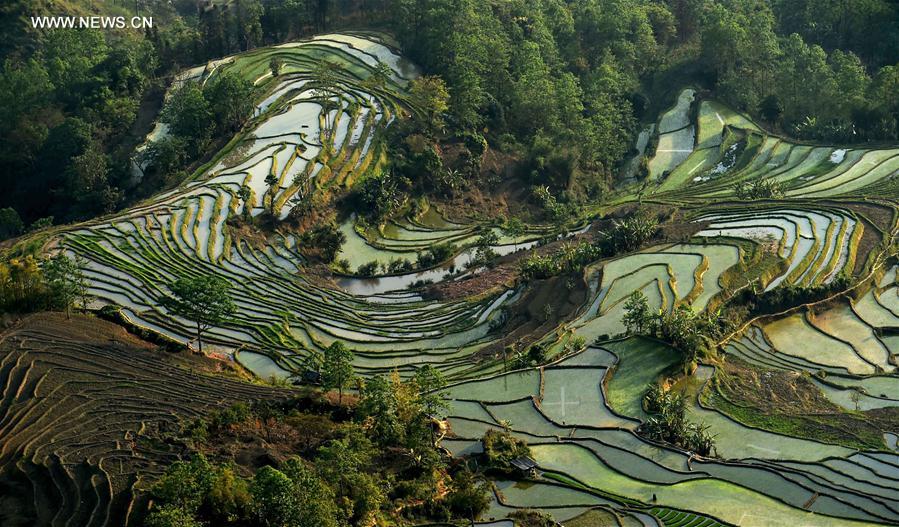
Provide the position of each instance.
(819, 70)
(501, 448)
(27, 284)
(540, 73)
(568, 258)
(630, 233)
(668, 422)
(323, 242)
(429, 257)
(626, 235)
(416, 160)
(70, 100)
(198, 118)
(682, 328)
(554, 208)
(558, 81)
(381, 463)
(780, 298)
(196, 492)
(67, 101)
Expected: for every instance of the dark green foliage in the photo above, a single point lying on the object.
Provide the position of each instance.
(196, 491)
(549, 165)
(196, 114)
(379, 404)
(185, 484)
(629, 234)
(524, 74)
(369, 268)
(785, 297)
(324, 241)
(346, 464)
(771, 109)
(467, 498)
(668, 422)
(535, 356)
(501, 448)
(569, 258)
(552, 208)
(430, 382)
(295, 496)
(229, 499)
(236, 413)
(379, 196)
(230, 98)
(558, 70)
(189, 117)
(399, 412)
(276, 65)
(430, 96)
(683, 329)
(686, 331)
(164, 160)
(68, 99)
(484, 252)
(10, 223)
(399, 265)
(41, 223)
(638, 318)
(796, 64)
(435, 255)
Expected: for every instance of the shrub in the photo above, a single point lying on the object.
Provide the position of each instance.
(767, 188)
(399, 265)
(466, 497)
(369, 269)
(436, 254)
(630, 233)
(668, 422)
(324, 241)
(500, 449)
(532, 518)
(170, 516)
(10, 223)
(568, 258)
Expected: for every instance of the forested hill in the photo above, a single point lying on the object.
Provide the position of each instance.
(561, 86)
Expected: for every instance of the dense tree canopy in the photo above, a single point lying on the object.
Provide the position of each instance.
(573, 74)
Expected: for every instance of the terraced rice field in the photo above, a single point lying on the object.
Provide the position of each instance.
(131, 257)
(695, 157)
(819, 244)
(667, 275)
(579, 443)
(676, 137)
(851, 342)
(579, 414)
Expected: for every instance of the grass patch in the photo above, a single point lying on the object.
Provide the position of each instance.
(641, 362)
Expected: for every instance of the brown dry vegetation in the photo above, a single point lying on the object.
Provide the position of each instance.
(529, 320)
(86, 414)
(789, 402)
